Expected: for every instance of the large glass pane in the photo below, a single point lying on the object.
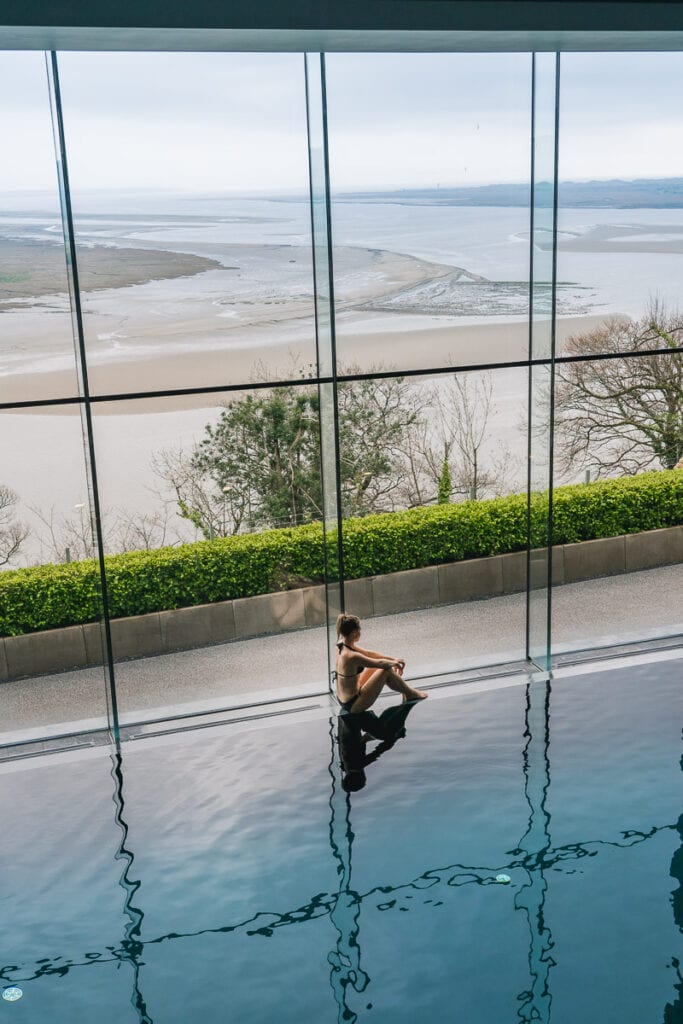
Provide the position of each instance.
(189, 185)
(334, 568)
(51, 644)
(621, 198)
(433, 473)
(621, 241)
(430, 180)
(212, 517)
(318, 156)
(37, 352)
(542, 347)
(618, 522)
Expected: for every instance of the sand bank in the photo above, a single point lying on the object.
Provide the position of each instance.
(38, 268)
(419, 344)
(232, 314)
(624, 238)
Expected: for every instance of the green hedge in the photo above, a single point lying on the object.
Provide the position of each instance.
(48, 596)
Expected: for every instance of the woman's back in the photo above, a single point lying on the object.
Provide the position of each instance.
(347, 670)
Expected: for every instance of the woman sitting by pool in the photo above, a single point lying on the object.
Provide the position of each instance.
(361, 675)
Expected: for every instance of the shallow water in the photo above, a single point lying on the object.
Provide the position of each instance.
(225, 874)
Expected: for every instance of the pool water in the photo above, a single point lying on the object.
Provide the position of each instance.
(226, 875)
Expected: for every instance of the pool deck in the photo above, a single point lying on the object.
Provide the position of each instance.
(599, 612)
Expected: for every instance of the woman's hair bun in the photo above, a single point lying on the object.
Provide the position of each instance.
(347, 624)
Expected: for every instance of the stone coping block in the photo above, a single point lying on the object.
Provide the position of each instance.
(591, 558)
(656, 547)
(558, 565)
(463, 581)
(405, 591)
(537, 567)
(358, 597)
(53, 650)
(269, 613)
(513, 570)
(315, 607)
(4, 671)
(57, 650)
(200, 626)
(136, 636)
(93, 635)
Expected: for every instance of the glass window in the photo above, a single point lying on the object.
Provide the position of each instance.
(617, 500)
(37, 360)
(433, 473)
(220, 511)
(213, 530)
(189, 184)
(430, 222)
(51, 645)
(620, 244)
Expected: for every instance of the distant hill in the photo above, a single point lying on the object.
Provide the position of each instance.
(664, 193)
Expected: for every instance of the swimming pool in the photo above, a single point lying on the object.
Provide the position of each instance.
(225, 874)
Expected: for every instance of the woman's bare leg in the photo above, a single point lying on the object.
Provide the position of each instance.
(373, 686)
(363, 676)
(396, 682)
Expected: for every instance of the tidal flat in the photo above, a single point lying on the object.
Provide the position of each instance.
(230, 314)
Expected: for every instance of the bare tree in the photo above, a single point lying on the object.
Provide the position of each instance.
(141, 531)
(13, 532)
(65, 538)
(419, 483)
(455, 434)
(376, 419)
(467, 411)
(70, 538)
(623, 414)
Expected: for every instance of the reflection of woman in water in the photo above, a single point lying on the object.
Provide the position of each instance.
(354, 732)
(361, 675)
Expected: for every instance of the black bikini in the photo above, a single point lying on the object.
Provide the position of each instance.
(347, 704)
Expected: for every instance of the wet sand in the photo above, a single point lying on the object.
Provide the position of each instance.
(362, 345)
(158, 320)
(38, 268)
(624, 238)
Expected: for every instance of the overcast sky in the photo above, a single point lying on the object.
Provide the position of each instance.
(236, 122)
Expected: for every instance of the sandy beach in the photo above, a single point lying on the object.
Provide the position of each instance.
(415, 346)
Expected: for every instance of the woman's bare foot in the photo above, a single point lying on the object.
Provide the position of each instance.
(415, 695)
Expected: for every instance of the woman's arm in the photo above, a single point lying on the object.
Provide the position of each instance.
(373, 654)
(381, 657)
(366, 659)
